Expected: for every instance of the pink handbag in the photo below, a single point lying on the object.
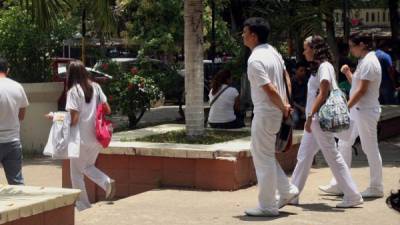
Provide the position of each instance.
(103, 126)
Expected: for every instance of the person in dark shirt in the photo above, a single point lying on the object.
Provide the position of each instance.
(388, 84)
(344, 59)
(299, 93)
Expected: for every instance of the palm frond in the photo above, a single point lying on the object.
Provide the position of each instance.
(45, 12)
(103, 15)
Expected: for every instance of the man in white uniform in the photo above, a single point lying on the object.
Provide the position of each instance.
(12, 110)
(265, 68)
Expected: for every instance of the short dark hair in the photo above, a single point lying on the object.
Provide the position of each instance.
(363, 37)
(260, 27)
(3, 65)
(301, 64)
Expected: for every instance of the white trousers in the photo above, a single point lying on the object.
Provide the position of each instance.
(365, 126)
(309, 146)
(270, 175)
(84, 165)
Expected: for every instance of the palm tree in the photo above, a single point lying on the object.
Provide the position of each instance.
(193, 40)
(46, 12)
(102, 15)
(299, 19)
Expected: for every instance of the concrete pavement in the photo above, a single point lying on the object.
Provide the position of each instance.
(201, 207)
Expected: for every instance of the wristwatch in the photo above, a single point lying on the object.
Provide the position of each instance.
(309, 115)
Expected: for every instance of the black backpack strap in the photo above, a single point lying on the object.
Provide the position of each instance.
(219, 94)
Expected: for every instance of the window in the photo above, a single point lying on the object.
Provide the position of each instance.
(384, 17)
(367, 17)
(372, 17)
(337, 17)
(378, 16)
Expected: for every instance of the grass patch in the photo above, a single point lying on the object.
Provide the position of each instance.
(179, 137)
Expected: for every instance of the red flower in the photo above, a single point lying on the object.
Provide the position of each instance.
(104, 66)
(110, 98)
(134, 70)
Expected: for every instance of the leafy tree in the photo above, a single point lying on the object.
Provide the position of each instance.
(99, 13)
(27, 48)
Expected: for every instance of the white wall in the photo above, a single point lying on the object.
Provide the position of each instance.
(35, 127)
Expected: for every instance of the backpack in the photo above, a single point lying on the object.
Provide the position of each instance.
(334, 115)
(103, 126)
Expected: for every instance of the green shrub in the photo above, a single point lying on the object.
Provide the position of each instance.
(130, 93)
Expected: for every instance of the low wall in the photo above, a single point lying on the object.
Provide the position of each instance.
(35, 127)
(25, 205)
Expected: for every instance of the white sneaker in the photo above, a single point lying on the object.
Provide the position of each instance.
(331, 190)
(349, 204)
(284, 200)
(261, 212)
(110, 189)
(372, 193)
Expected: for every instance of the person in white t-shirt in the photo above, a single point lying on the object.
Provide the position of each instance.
(365, 112)
(316, 51)
(224, 101)
(83, 96)
(265, 70)
(13, 102)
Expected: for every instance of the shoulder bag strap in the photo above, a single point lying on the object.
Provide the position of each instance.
(289, 97)
(219, 94)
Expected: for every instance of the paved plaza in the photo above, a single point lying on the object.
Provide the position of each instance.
(169, 206)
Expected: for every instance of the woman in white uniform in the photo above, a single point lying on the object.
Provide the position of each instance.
(82, 99)
(365, 112)
(316, 51)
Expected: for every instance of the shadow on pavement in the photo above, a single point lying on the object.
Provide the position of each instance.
(252, 218)
(42, 161)
(319, 207)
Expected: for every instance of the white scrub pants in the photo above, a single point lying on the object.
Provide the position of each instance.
(365, 126)
(310, 145)
(84, 165)
(270, 175)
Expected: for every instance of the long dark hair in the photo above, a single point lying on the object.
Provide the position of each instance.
(364, 37)
(77, 74)
(219, 79)
(321, 50)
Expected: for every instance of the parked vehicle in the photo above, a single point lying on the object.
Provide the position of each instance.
(59, 74)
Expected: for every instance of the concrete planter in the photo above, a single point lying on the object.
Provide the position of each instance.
(35, 127)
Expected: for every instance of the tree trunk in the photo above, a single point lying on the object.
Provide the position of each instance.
(194, 112)
(346, 20)
(103, 49)
(83, 32)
